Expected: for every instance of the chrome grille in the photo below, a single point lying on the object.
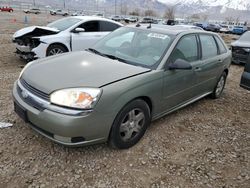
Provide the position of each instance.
(34, 91)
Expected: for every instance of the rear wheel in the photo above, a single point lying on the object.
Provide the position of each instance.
(130, 125)
(219, 86)
(56, 49)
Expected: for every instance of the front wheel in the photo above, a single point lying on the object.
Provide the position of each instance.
(55, 49)
(130, 125)
(219, 86)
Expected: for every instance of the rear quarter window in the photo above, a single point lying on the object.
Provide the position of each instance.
(222, 48)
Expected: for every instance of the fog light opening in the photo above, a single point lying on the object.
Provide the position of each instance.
(77, 139)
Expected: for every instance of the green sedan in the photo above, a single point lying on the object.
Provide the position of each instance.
(112, 91)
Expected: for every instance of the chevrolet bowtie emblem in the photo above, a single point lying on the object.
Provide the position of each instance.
(24, 94)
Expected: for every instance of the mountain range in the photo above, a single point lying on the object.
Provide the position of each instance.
(214, 9)
(232, 4)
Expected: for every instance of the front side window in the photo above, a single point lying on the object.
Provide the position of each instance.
(91, 26)
(135, 46)
(209, 47)
(186, 49)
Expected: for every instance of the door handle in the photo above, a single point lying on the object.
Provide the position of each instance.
(97, 35)
(197, 69)
(220, 60)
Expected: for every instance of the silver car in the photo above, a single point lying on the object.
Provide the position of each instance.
(112, 92)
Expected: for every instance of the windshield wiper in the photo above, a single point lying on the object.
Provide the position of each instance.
(107, 55)
(115, 58)
(96, 52)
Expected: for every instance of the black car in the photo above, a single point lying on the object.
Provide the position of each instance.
(245, 78)
(241, 49)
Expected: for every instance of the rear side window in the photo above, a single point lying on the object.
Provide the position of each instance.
(108, 26)
(186, 49)
(209, 47)
(221, 46)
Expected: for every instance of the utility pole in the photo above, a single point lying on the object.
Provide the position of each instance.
(34, 3)
(64, 4)
(121, 7)
(115, 7)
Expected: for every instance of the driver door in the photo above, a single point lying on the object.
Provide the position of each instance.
(180, 85)
(88, 38)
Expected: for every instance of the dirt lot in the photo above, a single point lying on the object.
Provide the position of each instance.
(206, 144)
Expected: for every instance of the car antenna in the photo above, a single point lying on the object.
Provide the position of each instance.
(138, 25)
(149, 26)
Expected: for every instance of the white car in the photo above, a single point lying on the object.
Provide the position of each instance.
(59, 12)
(32, 10)
(226, 28)
(64, 35)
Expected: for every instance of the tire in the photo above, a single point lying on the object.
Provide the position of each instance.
(55, 49)
(130, 125)
(218, 90)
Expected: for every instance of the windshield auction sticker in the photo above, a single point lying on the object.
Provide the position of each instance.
(157, 35)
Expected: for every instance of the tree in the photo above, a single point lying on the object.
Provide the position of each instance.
(195, 17)
(170, 13)
(135, 12)
(149, 12)
(237, 20)
(229, 19)
(204, 17)
(124, 9)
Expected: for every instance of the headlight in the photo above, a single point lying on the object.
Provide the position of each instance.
(25, 67)
(79, 98)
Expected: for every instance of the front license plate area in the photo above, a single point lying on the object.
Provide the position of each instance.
(22, 113)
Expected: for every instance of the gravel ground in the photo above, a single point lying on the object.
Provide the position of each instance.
(206, 144)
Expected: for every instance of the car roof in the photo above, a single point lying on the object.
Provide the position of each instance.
(89, 18)
(167, 29)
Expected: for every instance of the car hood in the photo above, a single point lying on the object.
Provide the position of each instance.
(241, 44)
(35, 31)
(77, 69)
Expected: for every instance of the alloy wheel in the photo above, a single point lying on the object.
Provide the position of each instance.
(132, 124)
(220, 86)
(55, 51)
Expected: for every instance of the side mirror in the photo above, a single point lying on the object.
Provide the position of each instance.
(78, 30)
(180, 64)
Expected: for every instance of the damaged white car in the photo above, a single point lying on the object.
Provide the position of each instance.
(64, 35)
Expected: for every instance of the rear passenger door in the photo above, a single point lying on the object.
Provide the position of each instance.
(211, 63)
(106, 27)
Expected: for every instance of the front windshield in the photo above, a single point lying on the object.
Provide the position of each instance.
(64, 23)
(245, 37)
(135, 46)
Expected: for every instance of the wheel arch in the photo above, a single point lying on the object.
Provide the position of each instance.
(226, 71)
(57, 43)
(147, 100)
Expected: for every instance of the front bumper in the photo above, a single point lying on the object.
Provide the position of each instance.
(245, 80)
(28, 54)
(69, 130)
(239, 57)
